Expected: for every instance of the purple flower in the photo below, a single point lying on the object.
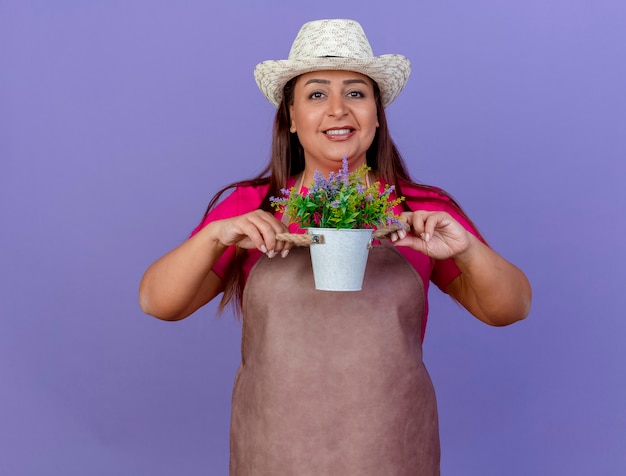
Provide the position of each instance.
(344, 175)
(319, 183)
(353, 204)
(395, 221)
(388, 191)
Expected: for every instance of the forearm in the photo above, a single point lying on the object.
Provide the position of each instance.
(173, 284)
(491, 288)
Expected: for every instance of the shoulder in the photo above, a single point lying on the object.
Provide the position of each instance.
(235, 200)
(247, 194)
(430, 198)
(421, 194)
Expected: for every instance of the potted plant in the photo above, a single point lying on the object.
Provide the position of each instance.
(340, 213)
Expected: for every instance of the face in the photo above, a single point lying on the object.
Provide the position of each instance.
(334, 114)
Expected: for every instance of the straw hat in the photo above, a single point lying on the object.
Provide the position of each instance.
(333, 45)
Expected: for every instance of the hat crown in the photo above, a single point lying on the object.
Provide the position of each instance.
(339, 45)
(331, 38)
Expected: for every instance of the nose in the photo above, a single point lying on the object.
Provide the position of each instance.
(336, 105)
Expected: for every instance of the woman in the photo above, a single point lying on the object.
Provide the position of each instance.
(333, 383)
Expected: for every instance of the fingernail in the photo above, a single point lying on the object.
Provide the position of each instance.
(263, 249)
(284, 253)
(425, 237)
(402, 234)
(271, 254)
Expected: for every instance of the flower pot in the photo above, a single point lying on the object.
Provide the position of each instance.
(339, 260)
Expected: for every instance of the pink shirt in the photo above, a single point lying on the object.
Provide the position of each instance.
(245, 199)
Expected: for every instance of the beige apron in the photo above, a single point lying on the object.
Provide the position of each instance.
(332, 383)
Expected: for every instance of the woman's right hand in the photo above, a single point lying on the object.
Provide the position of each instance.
(256, 229)
(180, 282)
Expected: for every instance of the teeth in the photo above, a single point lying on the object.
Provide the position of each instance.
(336, 132)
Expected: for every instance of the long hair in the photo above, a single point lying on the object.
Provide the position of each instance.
(287, 160)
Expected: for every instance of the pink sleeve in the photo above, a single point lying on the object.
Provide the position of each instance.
(444, 271)
(242, 200)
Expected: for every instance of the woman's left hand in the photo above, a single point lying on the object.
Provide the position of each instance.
(435, 234)
(489, 287)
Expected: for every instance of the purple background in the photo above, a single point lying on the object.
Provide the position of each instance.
(119, 120)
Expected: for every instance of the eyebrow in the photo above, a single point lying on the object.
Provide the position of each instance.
(325, 81)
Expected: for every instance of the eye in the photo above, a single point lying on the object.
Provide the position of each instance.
(316, 95)
(356, 94)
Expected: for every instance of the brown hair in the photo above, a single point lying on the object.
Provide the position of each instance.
(287, 160)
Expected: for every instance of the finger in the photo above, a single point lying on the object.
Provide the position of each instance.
(251, 237)
(269, 227)
(435, 222)
(405, 219)
(415, 221)
(243, 231)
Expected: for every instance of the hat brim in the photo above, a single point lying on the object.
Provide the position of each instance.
(391, 72)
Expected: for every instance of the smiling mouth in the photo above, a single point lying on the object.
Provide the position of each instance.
(338, 132)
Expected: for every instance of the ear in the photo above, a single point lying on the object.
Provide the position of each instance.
(292, 126)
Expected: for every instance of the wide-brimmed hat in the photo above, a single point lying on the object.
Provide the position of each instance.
(333, 45)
